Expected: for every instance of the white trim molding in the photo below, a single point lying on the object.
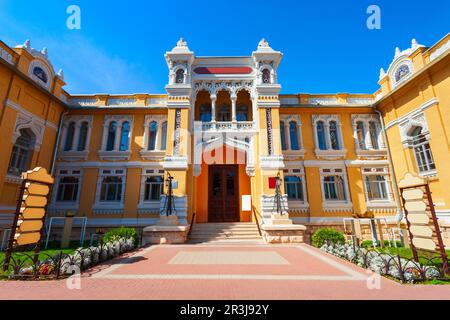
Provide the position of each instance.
(289, 153)
(329, 153)
(414, 113)
(158, 153)
(149, 207)
(74, 154)
(110, 207)
(334, 206)
(369, 150)
(116, 154)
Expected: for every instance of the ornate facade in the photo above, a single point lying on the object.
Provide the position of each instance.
(223, 130)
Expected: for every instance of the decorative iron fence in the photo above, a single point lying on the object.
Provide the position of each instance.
(24, 265)
(407, 270)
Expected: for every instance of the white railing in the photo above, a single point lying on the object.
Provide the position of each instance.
(228, 126)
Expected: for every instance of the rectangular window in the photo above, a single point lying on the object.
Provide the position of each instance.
(424, 157)
(153, 188)
(294, 188)
(68, 189)
(376, 187)
(111, 189)
(334, 189)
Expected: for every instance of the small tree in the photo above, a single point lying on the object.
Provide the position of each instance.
(327, 235)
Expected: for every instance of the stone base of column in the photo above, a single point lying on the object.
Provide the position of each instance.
(166, 231)
(281, 229)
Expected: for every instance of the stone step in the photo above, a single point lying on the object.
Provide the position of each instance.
(233, 233)
(223, 236)
(227, 242)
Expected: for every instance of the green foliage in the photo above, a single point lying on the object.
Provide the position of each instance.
(122, 232)
(369, 243)
(327, 235)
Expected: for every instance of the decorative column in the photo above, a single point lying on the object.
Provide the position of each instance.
(233, 107)
(326, 126)
(367, 137)
(118, 136)
(76, 136)
(213, 107)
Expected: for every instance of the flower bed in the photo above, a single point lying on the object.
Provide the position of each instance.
(405, 270)
(63, 265)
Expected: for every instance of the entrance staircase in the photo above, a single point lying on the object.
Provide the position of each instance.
(225, 233)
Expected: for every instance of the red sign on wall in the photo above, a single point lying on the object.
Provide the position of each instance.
(272, 182)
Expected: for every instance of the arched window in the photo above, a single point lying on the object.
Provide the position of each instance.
(111, 141)
(374, 135)
(294, 188)
(152, 132)
(334, 135)
(361, 135)
(179, 77)
(293, 135)
(321, 135)
(82, 140)
(40, 73)
(282, 135)
(422, 151)
(242, 113)
(124, 136)
(69, 137)
(223, 113)
(164, 136)
(402, 72)
(21, 153)
(266, 76)
(205, 113)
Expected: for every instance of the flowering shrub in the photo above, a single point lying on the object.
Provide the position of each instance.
(385, 264)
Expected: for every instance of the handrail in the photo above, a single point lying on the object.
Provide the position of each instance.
(192, 222)
(256, 218)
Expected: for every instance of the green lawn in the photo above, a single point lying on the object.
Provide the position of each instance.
(52, 250)
(407, 253)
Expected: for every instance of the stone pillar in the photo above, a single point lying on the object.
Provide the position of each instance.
(67, 231)
(118, 136)
(233, 107)
(76, 136)
(327, 135)
(213, 107)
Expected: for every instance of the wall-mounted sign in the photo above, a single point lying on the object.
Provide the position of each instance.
(272, 182)
(246, 203)
(31, 209)
(421, 218)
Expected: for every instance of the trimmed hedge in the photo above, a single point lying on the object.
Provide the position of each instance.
(327, 236)
(122, 232)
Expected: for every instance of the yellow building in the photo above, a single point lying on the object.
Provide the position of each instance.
(224, 131)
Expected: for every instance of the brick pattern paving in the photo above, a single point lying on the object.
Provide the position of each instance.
(213, 272)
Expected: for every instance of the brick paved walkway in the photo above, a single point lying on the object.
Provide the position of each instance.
(225, 272)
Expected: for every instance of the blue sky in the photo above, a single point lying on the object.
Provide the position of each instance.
(120, 47)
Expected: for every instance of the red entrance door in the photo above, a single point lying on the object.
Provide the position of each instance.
(223, 202)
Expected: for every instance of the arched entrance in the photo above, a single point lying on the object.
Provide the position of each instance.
(222, 182)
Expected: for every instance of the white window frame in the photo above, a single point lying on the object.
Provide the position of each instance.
(370, 152)
(74, 154)
(66, 205)
(335, 205)
(157, 154)
(329, 153)
(149, 207)
(289, 153)
(379, 203)
(116, 154)
(297, 206)
(430, 172)
(113, 207)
